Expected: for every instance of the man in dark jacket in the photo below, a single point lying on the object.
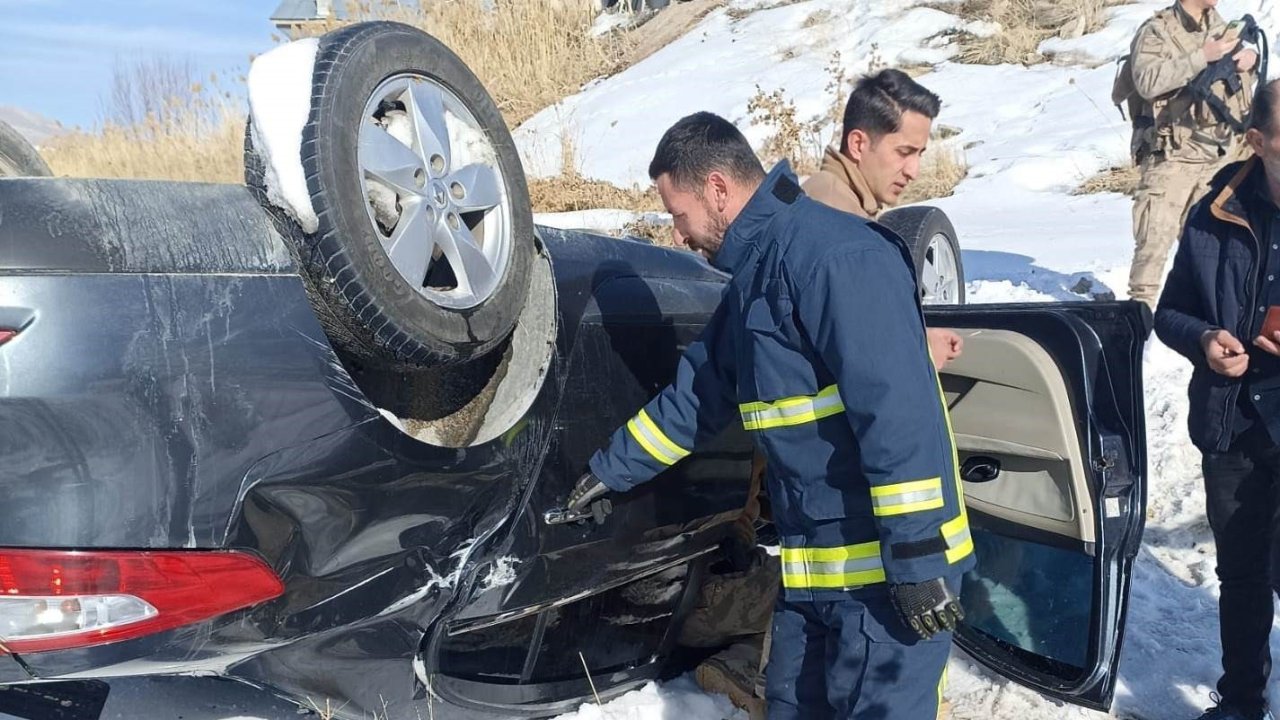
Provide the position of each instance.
(818, 349)
(1213, 310)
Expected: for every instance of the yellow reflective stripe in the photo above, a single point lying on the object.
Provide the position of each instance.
(792, 411)
(654, 441)
(846, 581)
(831, 554)
(907, 497)
(959, 541)
(956, 530)
(675, 450)
(848, 566)
(942, 684)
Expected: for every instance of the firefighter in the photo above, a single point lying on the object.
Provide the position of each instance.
(818, 348)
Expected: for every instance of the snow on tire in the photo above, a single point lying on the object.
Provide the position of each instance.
(422, 252)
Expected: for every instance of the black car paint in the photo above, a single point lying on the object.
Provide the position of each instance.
(172, 388)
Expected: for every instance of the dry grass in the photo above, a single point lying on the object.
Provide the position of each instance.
(1123, 180)
(528, 53)
(941, 170)
(569, 192)
(158, 124)
(658, 233)
(1022, 26)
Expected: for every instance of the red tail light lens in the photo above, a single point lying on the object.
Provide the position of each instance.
(58, 599)
(7, 335)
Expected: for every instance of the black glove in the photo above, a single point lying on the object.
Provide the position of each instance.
(928, 607)
(588, 490)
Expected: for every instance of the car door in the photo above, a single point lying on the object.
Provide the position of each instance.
(1046, 406)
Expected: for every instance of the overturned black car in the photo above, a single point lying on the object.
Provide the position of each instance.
(331, 464)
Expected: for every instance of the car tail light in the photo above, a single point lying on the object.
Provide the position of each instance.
(59, 599)
(6, 335)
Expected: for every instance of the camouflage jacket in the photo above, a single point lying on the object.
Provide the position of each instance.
(1166, 55)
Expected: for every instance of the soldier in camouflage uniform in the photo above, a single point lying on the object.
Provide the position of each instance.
(1178, 143)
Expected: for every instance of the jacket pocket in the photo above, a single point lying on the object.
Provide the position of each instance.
(768, 309)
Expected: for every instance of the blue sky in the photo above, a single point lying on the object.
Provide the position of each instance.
(57, 56)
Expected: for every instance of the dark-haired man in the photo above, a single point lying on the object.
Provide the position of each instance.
(887, 122)
(818, 349)
(1215, 310)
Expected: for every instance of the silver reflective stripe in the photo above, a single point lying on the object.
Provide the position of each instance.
(958, 538)
(907, 498)
(654, 441)
(792, 411)
(832, 567)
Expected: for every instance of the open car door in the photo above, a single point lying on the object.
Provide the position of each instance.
(1046, 406)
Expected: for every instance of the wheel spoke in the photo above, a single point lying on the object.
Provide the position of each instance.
(470, 266)
(388, 160)
(427, 111)
(412, 243)
(480, 188)
(929, 277)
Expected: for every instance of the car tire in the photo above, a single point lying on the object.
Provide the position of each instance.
(932, 241)
(401, 133)
(17, 156)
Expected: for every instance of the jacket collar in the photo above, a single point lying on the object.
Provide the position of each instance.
(839, 165)
(1227, 205)
(1191, 24)
(746, 236)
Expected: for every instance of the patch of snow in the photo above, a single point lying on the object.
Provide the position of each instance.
(280, 104)
(615, 123)
(680, 698)
(393, 419)
(607, 22)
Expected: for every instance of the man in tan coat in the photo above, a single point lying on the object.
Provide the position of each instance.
(886, 127)
(1179, 141)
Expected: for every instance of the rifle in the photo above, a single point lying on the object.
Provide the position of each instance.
(1224, 70)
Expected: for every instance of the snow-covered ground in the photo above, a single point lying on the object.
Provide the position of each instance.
(1029, 135)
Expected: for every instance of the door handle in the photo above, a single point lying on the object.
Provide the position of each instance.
(980, 469)
(597, 511)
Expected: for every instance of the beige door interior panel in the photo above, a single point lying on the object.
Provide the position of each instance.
(1008, 401)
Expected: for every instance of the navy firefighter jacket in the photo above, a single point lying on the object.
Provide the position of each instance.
(818, 348)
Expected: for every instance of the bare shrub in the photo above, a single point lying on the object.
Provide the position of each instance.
(1123, 179)
(1021, 25)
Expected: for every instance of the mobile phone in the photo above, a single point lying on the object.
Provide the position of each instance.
(1271, 324)
(1232, 31)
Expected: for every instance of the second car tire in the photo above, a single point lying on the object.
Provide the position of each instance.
(935, 250)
